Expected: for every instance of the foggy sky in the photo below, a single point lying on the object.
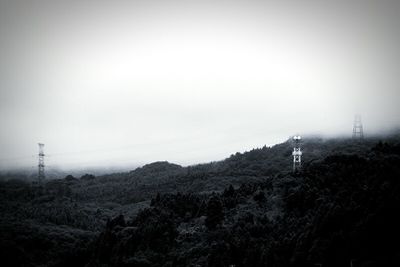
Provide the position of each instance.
(120, 83)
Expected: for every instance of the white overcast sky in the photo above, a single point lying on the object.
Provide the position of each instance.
(121, 83)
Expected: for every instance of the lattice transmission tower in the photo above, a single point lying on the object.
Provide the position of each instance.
(41, 175)
(296, 153)
(358, 133)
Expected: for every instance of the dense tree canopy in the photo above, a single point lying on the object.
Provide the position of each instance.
(248, 210)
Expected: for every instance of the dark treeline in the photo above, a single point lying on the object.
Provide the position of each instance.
(248, 210)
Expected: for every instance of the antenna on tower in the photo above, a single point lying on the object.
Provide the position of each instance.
(41, 175)
(358, 133)
(296, 153)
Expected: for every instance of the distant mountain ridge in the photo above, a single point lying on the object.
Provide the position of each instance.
(159, 166)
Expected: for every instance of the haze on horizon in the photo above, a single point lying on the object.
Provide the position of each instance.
(120, 83)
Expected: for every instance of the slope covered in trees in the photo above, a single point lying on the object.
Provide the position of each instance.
(248, 210)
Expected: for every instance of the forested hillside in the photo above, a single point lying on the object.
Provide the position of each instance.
(247, 210)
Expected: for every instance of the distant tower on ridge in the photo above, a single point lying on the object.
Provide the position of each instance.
(358, 133)
(41, 175)
(296, 153)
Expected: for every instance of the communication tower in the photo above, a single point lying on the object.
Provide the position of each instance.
(296, 153)
(358, 133)
(41, 175)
